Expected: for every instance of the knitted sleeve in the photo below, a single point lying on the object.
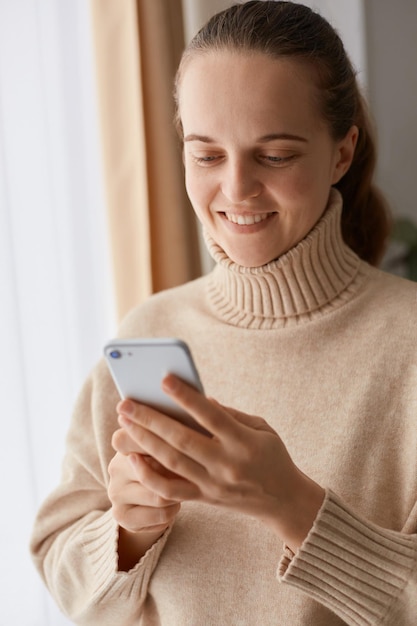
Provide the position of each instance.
(365, 574)
(74, 540)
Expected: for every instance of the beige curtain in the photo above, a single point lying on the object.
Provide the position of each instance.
(152, 227)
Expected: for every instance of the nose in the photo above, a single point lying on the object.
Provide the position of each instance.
(240, 181)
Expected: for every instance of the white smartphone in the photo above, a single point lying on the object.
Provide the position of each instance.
(138, 366)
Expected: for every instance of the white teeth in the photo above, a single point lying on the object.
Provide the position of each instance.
(246, 220)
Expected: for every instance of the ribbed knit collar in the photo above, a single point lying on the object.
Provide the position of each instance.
(317, 275)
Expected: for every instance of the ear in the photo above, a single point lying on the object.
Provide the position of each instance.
(345, 151)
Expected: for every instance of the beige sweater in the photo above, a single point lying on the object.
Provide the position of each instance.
(325, 348)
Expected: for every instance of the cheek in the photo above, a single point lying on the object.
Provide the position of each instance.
(192, 192)
(190, 184)
(293, 186)
(195, 192)
(198, 189)
(311, 182)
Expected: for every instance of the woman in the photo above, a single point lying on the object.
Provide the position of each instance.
(308, 350)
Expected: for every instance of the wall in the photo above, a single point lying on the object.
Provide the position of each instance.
(392, 54)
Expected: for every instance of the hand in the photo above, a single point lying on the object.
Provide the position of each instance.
(244, 466)
(141, 514)
(135, 507)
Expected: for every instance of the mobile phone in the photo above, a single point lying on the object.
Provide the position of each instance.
(138, 366)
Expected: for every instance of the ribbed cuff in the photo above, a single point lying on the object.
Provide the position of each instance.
(100, 543)
(353, 567)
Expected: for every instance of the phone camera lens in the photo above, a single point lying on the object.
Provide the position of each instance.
(115, 354)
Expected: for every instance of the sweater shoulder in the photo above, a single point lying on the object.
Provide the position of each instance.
(398, 293)
(393, 281)
(389, 303)
(162, 311)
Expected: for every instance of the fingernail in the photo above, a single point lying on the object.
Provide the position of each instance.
(133, 459)
(169, 383)
(126, 407)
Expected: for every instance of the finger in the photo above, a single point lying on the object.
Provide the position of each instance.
(210, 414)
(204, 410)
(176, 450)
(135, 494)
(185, 440)
(143, 518)
(176, 489)
(121, 471)
(158, 467)
(123, 443)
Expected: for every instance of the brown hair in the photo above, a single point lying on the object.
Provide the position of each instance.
(285, 29)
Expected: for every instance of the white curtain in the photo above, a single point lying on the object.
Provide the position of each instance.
(55, 296)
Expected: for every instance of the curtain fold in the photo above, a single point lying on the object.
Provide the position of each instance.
(153, 234)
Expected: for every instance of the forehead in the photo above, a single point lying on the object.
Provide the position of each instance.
(252, 89)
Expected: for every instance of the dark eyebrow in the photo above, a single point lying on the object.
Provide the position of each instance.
(275, 136)
(264, 139)
(202, 138)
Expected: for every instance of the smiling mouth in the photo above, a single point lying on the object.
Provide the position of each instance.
(247, 220)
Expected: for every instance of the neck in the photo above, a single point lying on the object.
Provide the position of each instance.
(318, 274)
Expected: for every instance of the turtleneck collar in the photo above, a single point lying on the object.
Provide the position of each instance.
(317, 275)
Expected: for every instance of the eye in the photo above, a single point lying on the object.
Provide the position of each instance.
(206, 159)
(276, 160)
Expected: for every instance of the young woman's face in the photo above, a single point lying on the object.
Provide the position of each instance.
(259, 160)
